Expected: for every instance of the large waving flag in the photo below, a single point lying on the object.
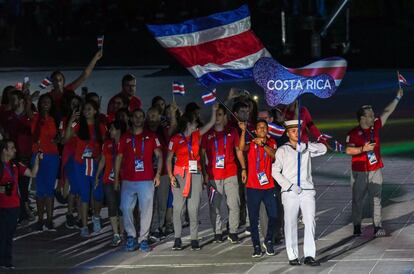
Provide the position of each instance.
(216, 48)
(283, 85)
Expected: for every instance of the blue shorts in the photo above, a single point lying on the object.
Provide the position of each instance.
(86, 184)
(70, 173)
(46, 175)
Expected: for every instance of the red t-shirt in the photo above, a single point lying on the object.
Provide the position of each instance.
(307, 124)
(134, 103)
(10, 174)
(46, 130)
(57, 96)
(208, 144)
(91, 145)
(265, 165)
(18, 128)
(146, 140)
(179, 145)
(109, 151)
(357, 137)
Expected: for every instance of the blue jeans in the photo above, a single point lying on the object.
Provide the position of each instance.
(254, 198)
(144, 192)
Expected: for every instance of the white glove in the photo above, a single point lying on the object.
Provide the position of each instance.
(301, 148)
(295, 189)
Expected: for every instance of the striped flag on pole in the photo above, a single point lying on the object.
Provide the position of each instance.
(178, 88)
(209, 97)
(100, 41)
(45, 83)
(216, 48)
(339, 147)
(402, 80)
(275, 130)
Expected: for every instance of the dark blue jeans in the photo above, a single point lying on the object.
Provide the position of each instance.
(254, 198)
(8, 223)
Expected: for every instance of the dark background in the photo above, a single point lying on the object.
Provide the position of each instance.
(63, 32)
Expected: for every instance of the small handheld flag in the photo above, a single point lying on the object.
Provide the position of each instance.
(100, 41)
(45, 83)
(402, 80)
(209, 97)
(275, 130)
(324, 137)
(18, 86)
(178, 88)
(339, 147)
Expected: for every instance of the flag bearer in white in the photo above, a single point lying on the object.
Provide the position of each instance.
(297, 196)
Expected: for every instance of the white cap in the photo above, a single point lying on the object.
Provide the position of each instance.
(292, 123)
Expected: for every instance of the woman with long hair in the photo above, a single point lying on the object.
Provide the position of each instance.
(44, 127)
(90, 134)
(106, 164)
(185, 177)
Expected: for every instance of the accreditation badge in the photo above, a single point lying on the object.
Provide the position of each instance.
(372, 158)
(220, 161)
(139, 165)
(262, 178)
(192, 166)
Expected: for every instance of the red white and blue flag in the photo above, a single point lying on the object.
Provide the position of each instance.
(402, 80)
(88, 166)
(275, 130)
(100, 41)
(216, 48)
(45, 83)
(209, 97)
(178, 88)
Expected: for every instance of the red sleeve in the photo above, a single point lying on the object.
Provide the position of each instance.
(378, 123)
(70, 87)
(157, 143)
(272, 143)
(122, 145)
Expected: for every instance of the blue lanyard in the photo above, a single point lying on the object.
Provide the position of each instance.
(258, 158)
(216, 143)
(189, 145)
(9, 171)
(371, 130)
(142, 147)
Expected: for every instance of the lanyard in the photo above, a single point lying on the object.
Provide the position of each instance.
(216, 143)
(258, 158)
(134, 148)
(189, 145)
(9, 171)
(371, 131)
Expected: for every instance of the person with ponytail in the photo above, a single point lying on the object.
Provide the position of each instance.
(44, 128)
(106, 164)
(90, 133)
(10, 198)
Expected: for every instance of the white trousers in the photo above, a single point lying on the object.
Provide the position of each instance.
(292, 202)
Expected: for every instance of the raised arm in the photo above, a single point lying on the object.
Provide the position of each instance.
(242, 140)
(212, 121)
(69, 132)
(87, 71)
(391, 107)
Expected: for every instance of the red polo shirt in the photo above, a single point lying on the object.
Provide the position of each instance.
(208, 143)
(11, 173)
(357, 137)
(126, 148)
(46, 130)
(265, 165)
(134, 103)
(179, 145)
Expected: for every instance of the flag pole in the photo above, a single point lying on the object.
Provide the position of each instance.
(299, 131)
(232, 114)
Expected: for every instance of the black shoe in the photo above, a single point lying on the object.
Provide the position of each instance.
(38, 226)
(257, 253)
(154, 236)
(268, 246)
(357, 230)
(379, 232)
(70, 221)
(50, 226)
(169, 230)
(233, 238)
(161, 234)
(195, 245)
(218, 238)
(311, 261)
(294, 262)
(177, 244)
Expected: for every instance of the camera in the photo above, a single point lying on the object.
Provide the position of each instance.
(8, 188)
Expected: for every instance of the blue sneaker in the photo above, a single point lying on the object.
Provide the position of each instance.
(96, 221)
(131, 244)
(144, 246)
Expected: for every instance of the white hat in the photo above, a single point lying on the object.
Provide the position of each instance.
(292, 123)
